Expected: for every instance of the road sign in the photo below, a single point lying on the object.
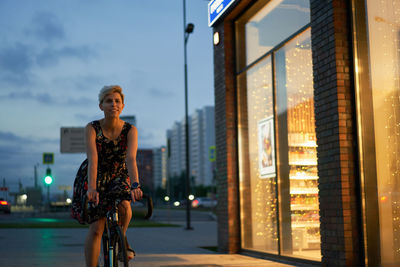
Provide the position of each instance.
(212, 154)
(72, 140)
(216, 8)
(64, 187)
(48, 158)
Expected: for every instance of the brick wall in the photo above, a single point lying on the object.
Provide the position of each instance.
(335, 128)
(226, 142)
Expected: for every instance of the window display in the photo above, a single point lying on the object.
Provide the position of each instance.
(294, 83)
(277, 142)
(383, 28)
(259, 217)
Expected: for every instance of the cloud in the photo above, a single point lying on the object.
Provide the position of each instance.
(143, 135)
(86, 82)
(296, 6)
(43, 98)
(12, 142)
(16, 62)
(86, 117)
(10, 138)
(48, 99)
(46, 27)
(155, 92)
(81, 101)
(145, 138)
(50, 56)
(18, 156)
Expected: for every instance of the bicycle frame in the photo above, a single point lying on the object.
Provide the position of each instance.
(109, 234)
(110, 230)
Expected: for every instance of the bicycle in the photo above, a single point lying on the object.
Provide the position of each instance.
(114, 250)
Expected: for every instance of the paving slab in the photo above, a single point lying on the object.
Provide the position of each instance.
(155, 247)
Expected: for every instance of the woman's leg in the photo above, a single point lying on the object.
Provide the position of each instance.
(125, 212)
(93, 242)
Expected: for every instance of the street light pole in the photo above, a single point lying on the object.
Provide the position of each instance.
(187, 29)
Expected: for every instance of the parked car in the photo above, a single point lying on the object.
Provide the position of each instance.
(204, 202)
(5, 206)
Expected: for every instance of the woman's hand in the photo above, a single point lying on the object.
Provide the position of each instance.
(136, 194)
(93, 196)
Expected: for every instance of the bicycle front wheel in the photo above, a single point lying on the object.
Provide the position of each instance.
(104, 260)
(120, 257)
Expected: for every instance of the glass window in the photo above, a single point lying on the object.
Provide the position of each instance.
(267, 26)
(384, 59)
(258, 186)
(277, 143)
(298, 160)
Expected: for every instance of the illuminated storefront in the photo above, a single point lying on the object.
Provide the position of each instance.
(308, 130)
(377, 61)
(277, 152)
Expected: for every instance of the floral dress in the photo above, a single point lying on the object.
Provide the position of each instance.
(113, 183)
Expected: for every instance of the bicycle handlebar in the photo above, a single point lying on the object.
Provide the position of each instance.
(149, 206)
(148, 198)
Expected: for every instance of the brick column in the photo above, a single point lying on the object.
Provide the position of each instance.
(336, 133)
(226, 142)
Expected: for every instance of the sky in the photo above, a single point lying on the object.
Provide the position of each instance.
(56, 55)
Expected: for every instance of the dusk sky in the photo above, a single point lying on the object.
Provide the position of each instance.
(55, 56)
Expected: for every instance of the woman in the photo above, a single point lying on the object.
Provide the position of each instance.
(109, 173)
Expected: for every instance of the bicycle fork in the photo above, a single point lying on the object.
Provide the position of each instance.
(111, 235)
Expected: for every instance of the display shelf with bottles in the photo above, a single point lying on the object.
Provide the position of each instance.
(303, 177)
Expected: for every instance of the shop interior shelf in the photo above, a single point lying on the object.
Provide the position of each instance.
(296, 207)
(304, 163)
(301, 177)
(302, 191)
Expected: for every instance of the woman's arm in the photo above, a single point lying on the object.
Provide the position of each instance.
(91, 152)
(131, 161)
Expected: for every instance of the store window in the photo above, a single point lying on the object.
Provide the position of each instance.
(277, 143)
(383, 117)
(298, 161)
(258, 174)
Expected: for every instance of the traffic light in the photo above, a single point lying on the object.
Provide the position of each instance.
(48, 179)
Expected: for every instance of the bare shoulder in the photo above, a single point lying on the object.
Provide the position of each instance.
(89, 127)
(133, 129)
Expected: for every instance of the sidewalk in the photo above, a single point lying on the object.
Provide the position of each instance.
(154, 246)
(175, 246)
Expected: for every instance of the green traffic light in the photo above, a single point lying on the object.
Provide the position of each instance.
(48, 180)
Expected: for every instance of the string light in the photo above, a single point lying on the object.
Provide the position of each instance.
(385, 69)
(303, 175)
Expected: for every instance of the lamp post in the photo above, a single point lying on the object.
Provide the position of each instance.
(188, 29)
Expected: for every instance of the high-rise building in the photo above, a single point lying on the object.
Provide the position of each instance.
(201, 138)
(160, 167)
(176, 149)
(208, 133)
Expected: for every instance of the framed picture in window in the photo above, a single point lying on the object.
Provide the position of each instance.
(266, 148)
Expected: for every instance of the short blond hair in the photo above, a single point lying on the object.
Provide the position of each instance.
(110, 89)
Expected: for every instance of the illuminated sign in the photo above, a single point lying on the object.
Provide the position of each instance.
(216, 8)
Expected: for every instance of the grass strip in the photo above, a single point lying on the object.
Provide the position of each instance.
(215, 249)
(73, 224)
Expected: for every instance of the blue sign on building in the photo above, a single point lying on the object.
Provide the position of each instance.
(216, 8)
